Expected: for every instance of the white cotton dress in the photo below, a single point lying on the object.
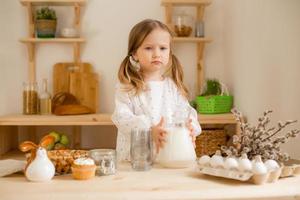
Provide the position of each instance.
(161, 99)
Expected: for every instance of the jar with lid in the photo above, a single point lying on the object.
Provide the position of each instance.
(178, 151)
(105, 160)
(30, 98)
(183, 24)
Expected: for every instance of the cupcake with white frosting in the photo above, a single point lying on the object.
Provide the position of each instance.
(83, 168)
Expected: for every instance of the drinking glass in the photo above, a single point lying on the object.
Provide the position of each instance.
(141, 149)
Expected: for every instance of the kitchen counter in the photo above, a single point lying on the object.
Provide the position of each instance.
(158, 183)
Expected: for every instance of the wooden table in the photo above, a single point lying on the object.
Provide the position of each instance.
(158, 183)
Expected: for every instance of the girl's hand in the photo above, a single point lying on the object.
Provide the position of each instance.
(158, 134)
(191, 131)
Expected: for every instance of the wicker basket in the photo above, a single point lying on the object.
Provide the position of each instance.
(214, 104)
(210, 141)
(63, 159)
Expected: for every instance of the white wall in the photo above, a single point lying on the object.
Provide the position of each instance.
(255, 52)
(261, 59)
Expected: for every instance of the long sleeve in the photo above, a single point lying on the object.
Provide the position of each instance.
(125, 119)
(123, 116)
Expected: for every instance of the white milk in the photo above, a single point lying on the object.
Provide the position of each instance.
(178, 151)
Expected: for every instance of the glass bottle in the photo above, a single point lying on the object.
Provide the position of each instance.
(30, 98)
(45, 99)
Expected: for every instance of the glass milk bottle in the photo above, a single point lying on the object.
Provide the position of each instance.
(45, 99)
(178, 151)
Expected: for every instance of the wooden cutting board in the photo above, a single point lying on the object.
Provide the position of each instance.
(61, 75)
(85, 87)
(79, 80)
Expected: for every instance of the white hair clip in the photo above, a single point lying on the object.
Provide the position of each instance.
(134, 63)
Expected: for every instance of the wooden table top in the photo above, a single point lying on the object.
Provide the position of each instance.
(158, 183)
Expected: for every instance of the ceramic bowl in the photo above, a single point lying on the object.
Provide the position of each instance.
(69, 32)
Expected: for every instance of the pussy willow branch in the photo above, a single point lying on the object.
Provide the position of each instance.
(280, 127)
(260, 140)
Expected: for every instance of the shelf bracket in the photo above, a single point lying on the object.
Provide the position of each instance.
(77, 16)
(76, 133)
(200, 12)
(76, 47)
(200, 66)
(31, 56)
(31, 27)
(168, 15)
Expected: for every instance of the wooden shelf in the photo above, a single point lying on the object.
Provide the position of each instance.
(92, 119)
(51, 40)
(226, 118)
(200, 6)
(31, 40)
(14, 154)
(44, 120)
(186, 2)
(53, 2)
(192, 39)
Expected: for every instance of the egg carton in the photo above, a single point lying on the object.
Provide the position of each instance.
(220, 172)
(290, 168)
(241, 176)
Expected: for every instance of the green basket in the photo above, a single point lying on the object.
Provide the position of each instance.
(214, 104)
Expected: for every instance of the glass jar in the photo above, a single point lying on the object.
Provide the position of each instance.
(183, 25)
(30, 98)
(105, 160)
(199, 29)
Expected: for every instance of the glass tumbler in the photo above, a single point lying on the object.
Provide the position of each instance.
(141, 149)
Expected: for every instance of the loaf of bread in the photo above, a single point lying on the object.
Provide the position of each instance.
(72, 110)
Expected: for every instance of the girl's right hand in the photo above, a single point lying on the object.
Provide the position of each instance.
(158, 134)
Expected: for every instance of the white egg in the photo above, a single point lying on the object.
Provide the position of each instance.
(216, 161)
(231, 163)
(271, 165)
(204, 160)
(258, 167)
(244, 163)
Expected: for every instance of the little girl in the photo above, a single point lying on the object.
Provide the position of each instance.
(151, 87)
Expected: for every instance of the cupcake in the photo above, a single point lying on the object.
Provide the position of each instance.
(83, 168)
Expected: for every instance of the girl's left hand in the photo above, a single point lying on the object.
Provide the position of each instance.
(191, 130)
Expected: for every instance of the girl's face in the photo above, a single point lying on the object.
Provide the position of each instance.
(154, 52)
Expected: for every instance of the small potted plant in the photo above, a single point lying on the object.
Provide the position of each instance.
(45, 22)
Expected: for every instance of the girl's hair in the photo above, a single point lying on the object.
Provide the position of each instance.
(129, 76)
